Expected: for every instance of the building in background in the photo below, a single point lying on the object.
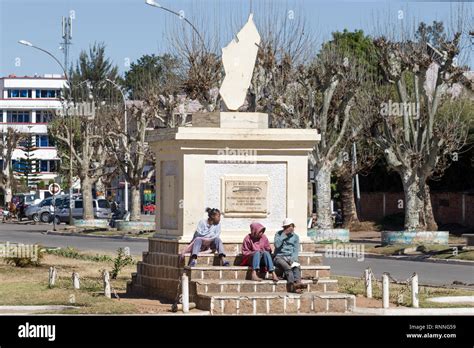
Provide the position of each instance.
(27, 105)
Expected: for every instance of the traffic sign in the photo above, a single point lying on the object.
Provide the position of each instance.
(54, 189)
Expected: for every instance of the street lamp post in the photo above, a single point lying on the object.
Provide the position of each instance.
(126, 133)
(29, 44)
(153, 3)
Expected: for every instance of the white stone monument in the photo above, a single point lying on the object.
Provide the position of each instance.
(232, 161)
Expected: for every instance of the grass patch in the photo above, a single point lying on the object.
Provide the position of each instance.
(29, 286)
(400, 294)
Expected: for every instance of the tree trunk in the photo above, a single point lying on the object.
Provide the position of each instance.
(414, 205)
(135, 208)
(348, 204)
(431, 224)
(323, 196)
(86, 187)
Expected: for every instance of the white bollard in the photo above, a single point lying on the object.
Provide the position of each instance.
(414, 291)
(52, 276)
(368, 283)
(385, 290)
(107, 291)
(75, 280)
(185, 289)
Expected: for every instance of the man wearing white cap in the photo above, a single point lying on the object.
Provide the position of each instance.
(287, 247)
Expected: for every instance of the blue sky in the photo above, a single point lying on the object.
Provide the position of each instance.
(130, 28)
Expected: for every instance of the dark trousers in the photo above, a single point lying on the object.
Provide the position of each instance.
(292, 275)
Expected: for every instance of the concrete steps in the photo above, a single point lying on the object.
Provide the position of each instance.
(212, 259)
(276, 303)
(229, 290)
(244, 272)
(160, 245)
(206, 286)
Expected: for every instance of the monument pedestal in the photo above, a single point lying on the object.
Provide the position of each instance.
(234, 162)
(247, 170)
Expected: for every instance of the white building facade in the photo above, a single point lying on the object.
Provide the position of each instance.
(27, 105)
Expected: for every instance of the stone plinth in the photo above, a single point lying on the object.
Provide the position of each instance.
(248, 171)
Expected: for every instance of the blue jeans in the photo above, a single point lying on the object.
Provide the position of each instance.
(265, 257)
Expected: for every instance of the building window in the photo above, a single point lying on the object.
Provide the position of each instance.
(19, 93)
(48, 93)
(18, 116)
(18, 166)
(50, 166)
(44, 116)
(43, 140)
(44, 166)
(24, 142)
(53, 166)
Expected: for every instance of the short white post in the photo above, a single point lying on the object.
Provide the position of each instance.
(107, 292)
(185, 289)
(414, 291)
(385, 290)
(52, 276)
(368, 283)
(75, 280)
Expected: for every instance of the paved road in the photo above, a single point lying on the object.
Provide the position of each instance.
(429, 273)
(31, 234)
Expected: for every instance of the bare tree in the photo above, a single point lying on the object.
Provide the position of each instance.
(156, 85)
(348, 165)
(88, 151)
(426, 127)
(84, 133)
(9, 143)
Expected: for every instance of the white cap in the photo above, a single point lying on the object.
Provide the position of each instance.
(287, 222)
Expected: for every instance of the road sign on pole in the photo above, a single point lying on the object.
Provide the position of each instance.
(54, 189)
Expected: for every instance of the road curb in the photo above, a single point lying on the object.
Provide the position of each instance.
(411, 258)
(76, 234)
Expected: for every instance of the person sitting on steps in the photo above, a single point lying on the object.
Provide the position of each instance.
(207, 236)
(256, 251)
(287, 246)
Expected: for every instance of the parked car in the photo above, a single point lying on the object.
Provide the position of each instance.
(101, 210)
(22, 202)
(42, 211)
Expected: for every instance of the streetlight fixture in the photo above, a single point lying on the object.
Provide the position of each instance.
(126, 133)
(153, 3)
(29, 44)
